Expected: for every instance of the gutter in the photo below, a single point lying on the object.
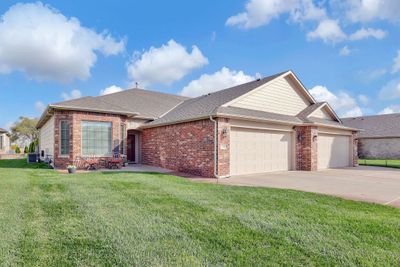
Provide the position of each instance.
(216, 150)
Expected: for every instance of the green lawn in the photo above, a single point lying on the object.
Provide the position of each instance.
(136, 219)
(393, 163)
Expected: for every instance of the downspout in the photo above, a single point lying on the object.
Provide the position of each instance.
(216, 150)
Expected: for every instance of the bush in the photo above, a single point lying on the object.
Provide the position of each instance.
(17, 150)
(26, 150)
(32, 146)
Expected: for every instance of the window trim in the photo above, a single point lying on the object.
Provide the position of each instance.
(69, 142)
(111, 140)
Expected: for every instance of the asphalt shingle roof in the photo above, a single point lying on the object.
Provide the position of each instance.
(208, 105)
(375, 126)
(148, 104)
(3, 131)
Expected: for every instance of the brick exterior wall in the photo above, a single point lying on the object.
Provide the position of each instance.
(185, 147)
(355, 141)
(223, 156)
(306, 148)
(75, 118)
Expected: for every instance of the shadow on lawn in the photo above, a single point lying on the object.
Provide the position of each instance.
(21, 164)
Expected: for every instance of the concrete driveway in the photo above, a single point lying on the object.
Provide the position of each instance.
(371, 184)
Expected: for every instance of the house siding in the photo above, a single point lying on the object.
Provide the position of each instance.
(322, 114)
(6, 144)
(46, 140)
(185, 147)
(281, 96)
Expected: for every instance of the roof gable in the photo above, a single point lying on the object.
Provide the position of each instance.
(321, 111)
(283, 95)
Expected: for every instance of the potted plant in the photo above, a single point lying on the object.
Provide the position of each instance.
(71, 168)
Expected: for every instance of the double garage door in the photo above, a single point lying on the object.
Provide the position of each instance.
(258, 151)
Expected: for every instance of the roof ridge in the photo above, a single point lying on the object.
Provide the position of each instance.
(148, 91)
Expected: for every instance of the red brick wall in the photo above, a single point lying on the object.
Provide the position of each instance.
(354, 141)
(75, 118)
(185, 147)
(223, 167)
(306, 148)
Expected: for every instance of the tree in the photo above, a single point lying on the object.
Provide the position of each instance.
(25, 130)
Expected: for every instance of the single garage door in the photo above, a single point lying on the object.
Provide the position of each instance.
(333, 151)
(257, 151)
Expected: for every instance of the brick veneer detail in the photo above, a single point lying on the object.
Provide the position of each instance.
(75, 118)
(355, 148)
(186, 147)
(306, 148)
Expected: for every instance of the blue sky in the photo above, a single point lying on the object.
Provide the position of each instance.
(345, 52)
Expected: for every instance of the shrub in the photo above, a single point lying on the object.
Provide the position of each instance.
(26, 150)
(17, 150)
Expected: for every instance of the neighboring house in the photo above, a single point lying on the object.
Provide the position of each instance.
(4, 142)
(379, 137)
(270, 124)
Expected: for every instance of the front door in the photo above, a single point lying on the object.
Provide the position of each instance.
(131, 147)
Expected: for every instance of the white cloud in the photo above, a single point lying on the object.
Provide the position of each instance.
(221, 79)
(368, 76)
(165, 64)
(261, 12)
(110, 90)
(368, 10)
(363, 99)
(71, 95)
(45, 45)
(390, 91)
(369, 32)
(390, 109)
(345, 51)
(396, 64)
(342, 103)
(329, 31)
(40, 106)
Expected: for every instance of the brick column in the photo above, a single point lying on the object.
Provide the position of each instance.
(62, 161)
(354, 141)
(223, 159)
(306, 148)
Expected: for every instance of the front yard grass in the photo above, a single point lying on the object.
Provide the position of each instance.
(392, 163)
(138, 219)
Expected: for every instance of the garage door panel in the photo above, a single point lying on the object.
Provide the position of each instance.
(333, 151)
(257, 151)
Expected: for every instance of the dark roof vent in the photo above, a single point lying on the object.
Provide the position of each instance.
(258, 79)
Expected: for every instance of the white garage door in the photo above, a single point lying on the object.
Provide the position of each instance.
(333, 151)
(257, 151)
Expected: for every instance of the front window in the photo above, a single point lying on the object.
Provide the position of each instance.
(96, 138)
(64, 138)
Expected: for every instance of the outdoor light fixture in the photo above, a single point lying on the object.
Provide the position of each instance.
(300, 137)
(224, 132)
